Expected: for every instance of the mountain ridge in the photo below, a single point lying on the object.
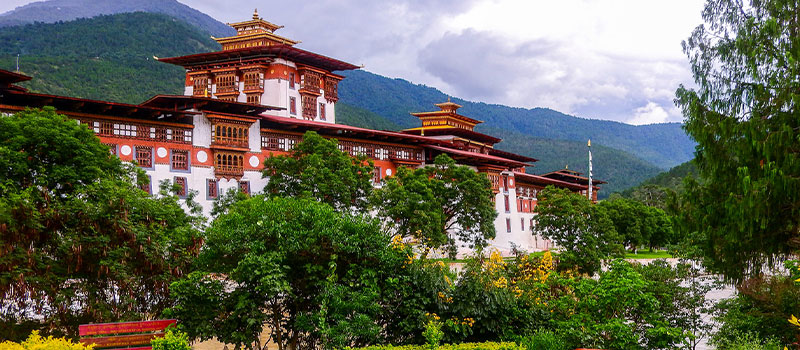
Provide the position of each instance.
(52, 11)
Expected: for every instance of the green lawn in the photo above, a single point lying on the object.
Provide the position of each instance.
(648, 254)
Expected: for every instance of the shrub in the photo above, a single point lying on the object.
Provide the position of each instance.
(464, 346)
(173, 340)
(544, 340)
(746, 341)
(37, 342)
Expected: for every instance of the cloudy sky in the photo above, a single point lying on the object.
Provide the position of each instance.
(613, 59)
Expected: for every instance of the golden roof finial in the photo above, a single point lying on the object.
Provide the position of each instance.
(566, 167)
(448, 98)
(255, 14)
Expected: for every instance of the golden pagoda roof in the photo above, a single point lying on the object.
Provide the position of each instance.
(256, 28)
(258, 22)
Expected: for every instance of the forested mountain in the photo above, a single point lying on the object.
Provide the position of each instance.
(671, 179)
(66, 10)
(106, 57)
(663, 145)
(111, 58)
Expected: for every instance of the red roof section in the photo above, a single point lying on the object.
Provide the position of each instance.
(479, 156)
(74, 104)
(343, 130)
(570, 174)
(467, 134)
(541, 180)
(181, 102)
(277, 51)
(8, 77)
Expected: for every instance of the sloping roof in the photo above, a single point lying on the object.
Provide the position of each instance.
(544, 181)
(181, 102)
(8, 77)
(74, 104)
(464, 133)
(277, 51)
(478, 157)
(571, 176)
(343, 130)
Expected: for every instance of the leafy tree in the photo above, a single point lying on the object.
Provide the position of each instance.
(80, 242)
(314, 276)
(616, 311)
(439, 205)
(580, 229)
(639, 224)
(317, 169)
(743, 114)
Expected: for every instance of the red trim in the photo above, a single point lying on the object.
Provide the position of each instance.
(8, 77)
(343, 130)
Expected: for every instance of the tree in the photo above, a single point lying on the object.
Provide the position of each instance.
(746, 212)
(639, 224)
(314, 276)
(581, 230)
(439, 205)
(316, 168)
(80, 242)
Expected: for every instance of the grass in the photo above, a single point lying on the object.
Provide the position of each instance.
(648, 254)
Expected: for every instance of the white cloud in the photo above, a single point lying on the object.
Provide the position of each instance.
(649, 114)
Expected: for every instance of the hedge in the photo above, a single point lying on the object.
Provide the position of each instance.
(464, 346)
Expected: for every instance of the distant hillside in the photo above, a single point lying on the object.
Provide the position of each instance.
(51, 11)
(671, 179)
(106, 57)
(663, 145)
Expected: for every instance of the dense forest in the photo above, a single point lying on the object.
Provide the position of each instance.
(111, 58)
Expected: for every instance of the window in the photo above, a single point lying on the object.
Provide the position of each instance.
(376, 175)
(180, 160)
(505, 183)
(322, 111)
(144, 156)
(508, 205)
(213, 190)
(181, 182)
(112, 148)
(254, 99)
(244, 187)
(508, 225)
(522, 224)
(292, 106)
(309, 105)
(531, 225)
(291, 80)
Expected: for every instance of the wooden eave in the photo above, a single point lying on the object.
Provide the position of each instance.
(206, 104)
(273, 51)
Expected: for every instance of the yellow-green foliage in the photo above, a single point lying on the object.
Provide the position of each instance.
(37, 342)
(465, 346)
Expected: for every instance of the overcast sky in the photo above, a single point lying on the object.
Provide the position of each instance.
(613, 59)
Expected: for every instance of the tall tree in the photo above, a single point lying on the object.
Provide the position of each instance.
(439, 205)
(743, 114)
(79, 242)
(316, 168)
(312, 275)
(582, 230)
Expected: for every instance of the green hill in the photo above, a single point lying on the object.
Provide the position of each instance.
(51, 11)
(110, 58)
(106, 57)
(663, 145)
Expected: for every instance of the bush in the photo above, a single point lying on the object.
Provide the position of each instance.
(464, 346)
(544, 340)
(173, 340)
(746, 341)
(36, 342)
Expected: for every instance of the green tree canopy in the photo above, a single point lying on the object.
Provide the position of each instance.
(579, 228)
(639, 224)
(439, 205)
(316, 168)
(746, 211)
(79, 242)
(314, 276)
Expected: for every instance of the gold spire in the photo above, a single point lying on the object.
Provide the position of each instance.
(255, 14)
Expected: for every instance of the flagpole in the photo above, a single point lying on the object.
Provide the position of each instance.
(589, 146)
